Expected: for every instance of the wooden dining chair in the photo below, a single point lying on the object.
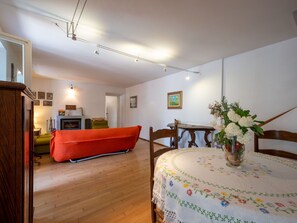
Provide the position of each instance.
(154, 154)
(277, 135)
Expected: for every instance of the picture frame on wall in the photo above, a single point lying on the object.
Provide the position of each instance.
(133, 102)
(36, 102)
(47, 103)
(34, 94)
(41, 95)
(49, 96)
(175, 100)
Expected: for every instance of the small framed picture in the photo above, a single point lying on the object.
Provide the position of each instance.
(36, 102)
(47, 103)
(41, 95)
(174, 100)
(49, 96)
(70, 107)
(34, 94)
(133, 102)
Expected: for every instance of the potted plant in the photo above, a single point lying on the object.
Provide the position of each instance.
(235, 127)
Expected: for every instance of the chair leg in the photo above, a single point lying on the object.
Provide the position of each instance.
(153, 213)
(35, 155)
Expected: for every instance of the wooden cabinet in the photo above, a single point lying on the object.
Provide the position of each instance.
(16, 153)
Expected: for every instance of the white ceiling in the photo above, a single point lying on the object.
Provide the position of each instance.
(179, 33)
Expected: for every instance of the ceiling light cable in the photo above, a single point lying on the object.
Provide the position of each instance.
(83, 8)
(71, 27)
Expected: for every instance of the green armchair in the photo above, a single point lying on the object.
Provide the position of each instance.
(99, 124)
(42, 144)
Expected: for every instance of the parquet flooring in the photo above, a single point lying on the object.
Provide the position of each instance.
(109, 189)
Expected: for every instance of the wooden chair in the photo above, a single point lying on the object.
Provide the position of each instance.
(154, 154)
(277, 135)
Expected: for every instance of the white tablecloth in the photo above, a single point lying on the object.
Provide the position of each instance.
(196, 185)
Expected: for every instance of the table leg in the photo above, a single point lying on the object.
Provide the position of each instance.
(193, 138)
(207, 132)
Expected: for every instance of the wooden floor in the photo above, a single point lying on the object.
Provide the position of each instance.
(103, 190)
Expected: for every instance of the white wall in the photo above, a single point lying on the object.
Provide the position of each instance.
(198, 92)
(265, 81)
(262, 80)
(91, 97)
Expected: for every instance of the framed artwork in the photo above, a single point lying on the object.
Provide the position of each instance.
(36, 102)
(49, 96)
(34, 94)
(133, 102)
(175, 100)
(70, 107)
(47, 103)
(41, 95)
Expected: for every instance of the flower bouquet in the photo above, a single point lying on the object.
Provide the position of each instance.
(235, 128)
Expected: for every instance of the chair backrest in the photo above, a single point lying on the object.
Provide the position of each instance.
(277, 135)
(155, 153)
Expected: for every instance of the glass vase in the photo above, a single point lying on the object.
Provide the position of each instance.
(234, 153)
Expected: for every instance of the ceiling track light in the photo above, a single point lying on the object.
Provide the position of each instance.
(71, 33)
(97, 52)
(137, 59)
(71, 27)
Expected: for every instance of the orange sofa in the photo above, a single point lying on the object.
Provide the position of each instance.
(76, 144)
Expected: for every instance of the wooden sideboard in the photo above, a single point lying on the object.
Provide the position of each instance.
(16, 153)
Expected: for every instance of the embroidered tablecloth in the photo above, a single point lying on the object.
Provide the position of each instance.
(196, 185)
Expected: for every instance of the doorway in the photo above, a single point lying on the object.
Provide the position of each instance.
(112, 110)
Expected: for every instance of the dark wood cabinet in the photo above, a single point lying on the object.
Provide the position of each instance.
(16, 153)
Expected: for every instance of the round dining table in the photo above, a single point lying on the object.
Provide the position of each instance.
(195, 185)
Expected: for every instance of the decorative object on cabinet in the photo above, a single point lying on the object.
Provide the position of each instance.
(16, 153)
(174, 100)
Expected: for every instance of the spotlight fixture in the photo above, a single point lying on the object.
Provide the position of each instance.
(71, 86)
(136, 60)
(73, 37)
(165, 68)
(97, 51)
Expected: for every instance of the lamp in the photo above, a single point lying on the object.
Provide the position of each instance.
(71, 92)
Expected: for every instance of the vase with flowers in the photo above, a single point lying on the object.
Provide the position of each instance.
(235, 128)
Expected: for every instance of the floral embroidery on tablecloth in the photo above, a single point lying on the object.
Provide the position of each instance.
(234, 195)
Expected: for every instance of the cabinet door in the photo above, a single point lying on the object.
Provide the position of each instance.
(28, 158)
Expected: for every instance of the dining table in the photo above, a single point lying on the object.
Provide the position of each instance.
(193, 185)
(192, 128)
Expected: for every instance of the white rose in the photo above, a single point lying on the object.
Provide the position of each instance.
(233, 116)
(232, 130)
(246, 121)
(244, 139)
(216, 125)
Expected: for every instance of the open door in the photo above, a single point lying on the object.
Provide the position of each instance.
(112, 110)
